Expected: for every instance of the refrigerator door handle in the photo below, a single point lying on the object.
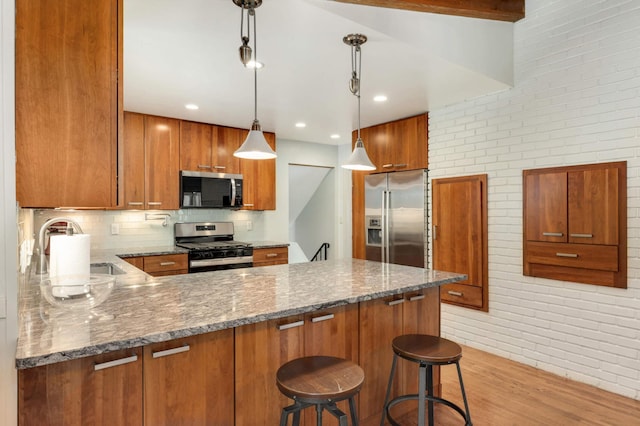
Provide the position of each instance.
(383, 228)
(387, 208)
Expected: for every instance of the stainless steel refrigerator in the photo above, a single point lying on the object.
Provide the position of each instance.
(395, 217)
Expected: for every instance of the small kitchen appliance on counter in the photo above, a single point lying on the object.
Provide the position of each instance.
(211, 246)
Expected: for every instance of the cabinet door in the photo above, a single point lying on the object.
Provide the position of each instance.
(67, 106)
(379, 146)
(261, 349)
(103, 389)
(545, 206)
(380, 322)
(196, 142)
(226, 141)
(133, 161)
(411, 143)
(190, 380)
(270, 256)
(593, 206)
(259, 190)
(162, 152)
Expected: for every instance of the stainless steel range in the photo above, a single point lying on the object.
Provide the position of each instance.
(211, 246)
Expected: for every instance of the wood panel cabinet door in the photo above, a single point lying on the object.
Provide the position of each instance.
(411, 143)
(162, 162)
(261, 349)
(196, 146)
(189, 381)
(459, 234)
(259, 191)
(546, 206)
(133, 159)
(98, 390)
(67, 102)
(226, 142)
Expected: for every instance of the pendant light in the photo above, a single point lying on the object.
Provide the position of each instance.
(359, 160)
(255, 147)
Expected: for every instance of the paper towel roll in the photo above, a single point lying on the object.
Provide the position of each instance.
(69, 262)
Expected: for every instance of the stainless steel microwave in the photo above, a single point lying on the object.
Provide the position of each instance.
(210, 190)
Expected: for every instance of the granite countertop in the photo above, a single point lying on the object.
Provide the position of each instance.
(144, 309)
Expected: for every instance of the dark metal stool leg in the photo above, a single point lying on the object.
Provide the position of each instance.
(352, 409)
(386, 398)
(430, 393)
(296, 418)
(422, 372)
(464, 395)
(319, 414)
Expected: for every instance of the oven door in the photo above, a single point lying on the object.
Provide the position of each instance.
(206, 265)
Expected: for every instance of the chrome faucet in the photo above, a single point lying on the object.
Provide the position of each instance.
(41, 266)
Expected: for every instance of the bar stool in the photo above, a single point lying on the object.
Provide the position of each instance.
(427, 351)
(319, 381)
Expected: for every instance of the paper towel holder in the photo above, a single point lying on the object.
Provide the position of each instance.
(41, 266)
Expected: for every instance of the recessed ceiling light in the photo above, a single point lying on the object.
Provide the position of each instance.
(380, 98)
(252, 64)
(301, 125)
(191, 106)
(335, 136)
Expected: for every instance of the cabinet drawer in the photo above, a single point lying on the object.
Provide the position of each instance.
(602, 258)
(169, 262)
(273, 256)
(462, 294)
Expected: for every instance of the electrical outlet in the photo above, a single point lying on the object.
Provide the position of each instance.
(115, 228)
(249, 225)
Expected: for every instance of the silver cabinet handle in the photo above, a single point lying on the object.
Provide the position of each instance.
(581, 235)
(167, 263)
(271, 255)
(435, 232)
(455, 293)
(416, 297)
(155, 203)
(386, 166)
(173, 351)
(115, 363)
(295, 324)
(203, 166)
(552, 234)
(248, 205)
(135, 203)
(323, 318)
(395, 302)
(400, 165)
(573, 255)
(219, 167)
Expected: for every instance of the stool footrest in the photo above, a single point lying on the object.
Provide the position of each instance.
(415, 396)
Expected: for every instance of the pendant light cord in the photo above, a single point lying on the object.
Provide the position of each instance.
(356, 62)
(255, 66)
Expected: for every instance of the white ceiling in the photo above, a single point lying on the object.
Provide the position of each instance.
(179, 52)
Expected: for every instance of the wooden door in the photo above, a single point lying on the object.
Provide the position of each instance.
(67, 102)
(380, 322)
(593, 206)
(162, 162)
(261, 349)
(196, 146)
(82, 391)
(460, 237)
(226, 141)
(133, 167)
(545, 206)
(189, 381)
(259, 191)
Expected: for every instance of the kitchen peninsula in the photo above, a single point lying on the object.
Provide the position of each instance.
(237, 326)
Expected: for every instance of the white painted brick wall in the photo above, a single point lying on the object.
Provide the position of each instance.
(576, 100)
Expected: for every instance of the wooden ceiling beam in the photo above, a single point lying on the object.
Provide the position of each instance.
(499, 10)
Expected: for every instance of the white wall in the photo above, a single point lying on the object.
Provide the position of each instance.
(316, 223)
(576, 100)
(8, 233)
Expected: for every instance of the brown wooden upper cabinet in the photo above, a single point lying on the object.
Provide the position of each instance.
(394, 146)
(151, 162)
(67, 102)
(259, 179)
(575, 223)
(209, 148)
(460, 242)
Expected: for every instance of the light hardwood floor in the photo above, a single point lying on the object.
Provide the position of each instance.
(506, 393)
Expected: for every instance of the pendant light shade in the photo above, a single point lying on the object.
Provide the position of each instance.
(359, 160)
(255, 146)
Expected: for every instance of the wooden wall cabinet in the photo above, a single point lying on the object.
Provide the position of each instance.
(381, 320)
(68, 102)
(270, 256)
(460, 238)
(102, 389)
(575, 223)
(190, 380)
(394, 146)
(259, 191)
(151, 162)
(209, 148)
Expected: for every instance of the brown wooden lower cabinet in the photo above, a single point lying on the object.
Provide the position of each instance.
(99, 390)
(161, 265)
(270, 256)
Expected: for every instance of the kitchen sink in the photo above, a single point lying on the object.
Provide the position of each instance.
(105, 268)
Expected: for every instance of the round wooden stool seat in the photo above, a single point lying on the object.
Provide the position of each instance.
(426, 348)
(316, 379)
